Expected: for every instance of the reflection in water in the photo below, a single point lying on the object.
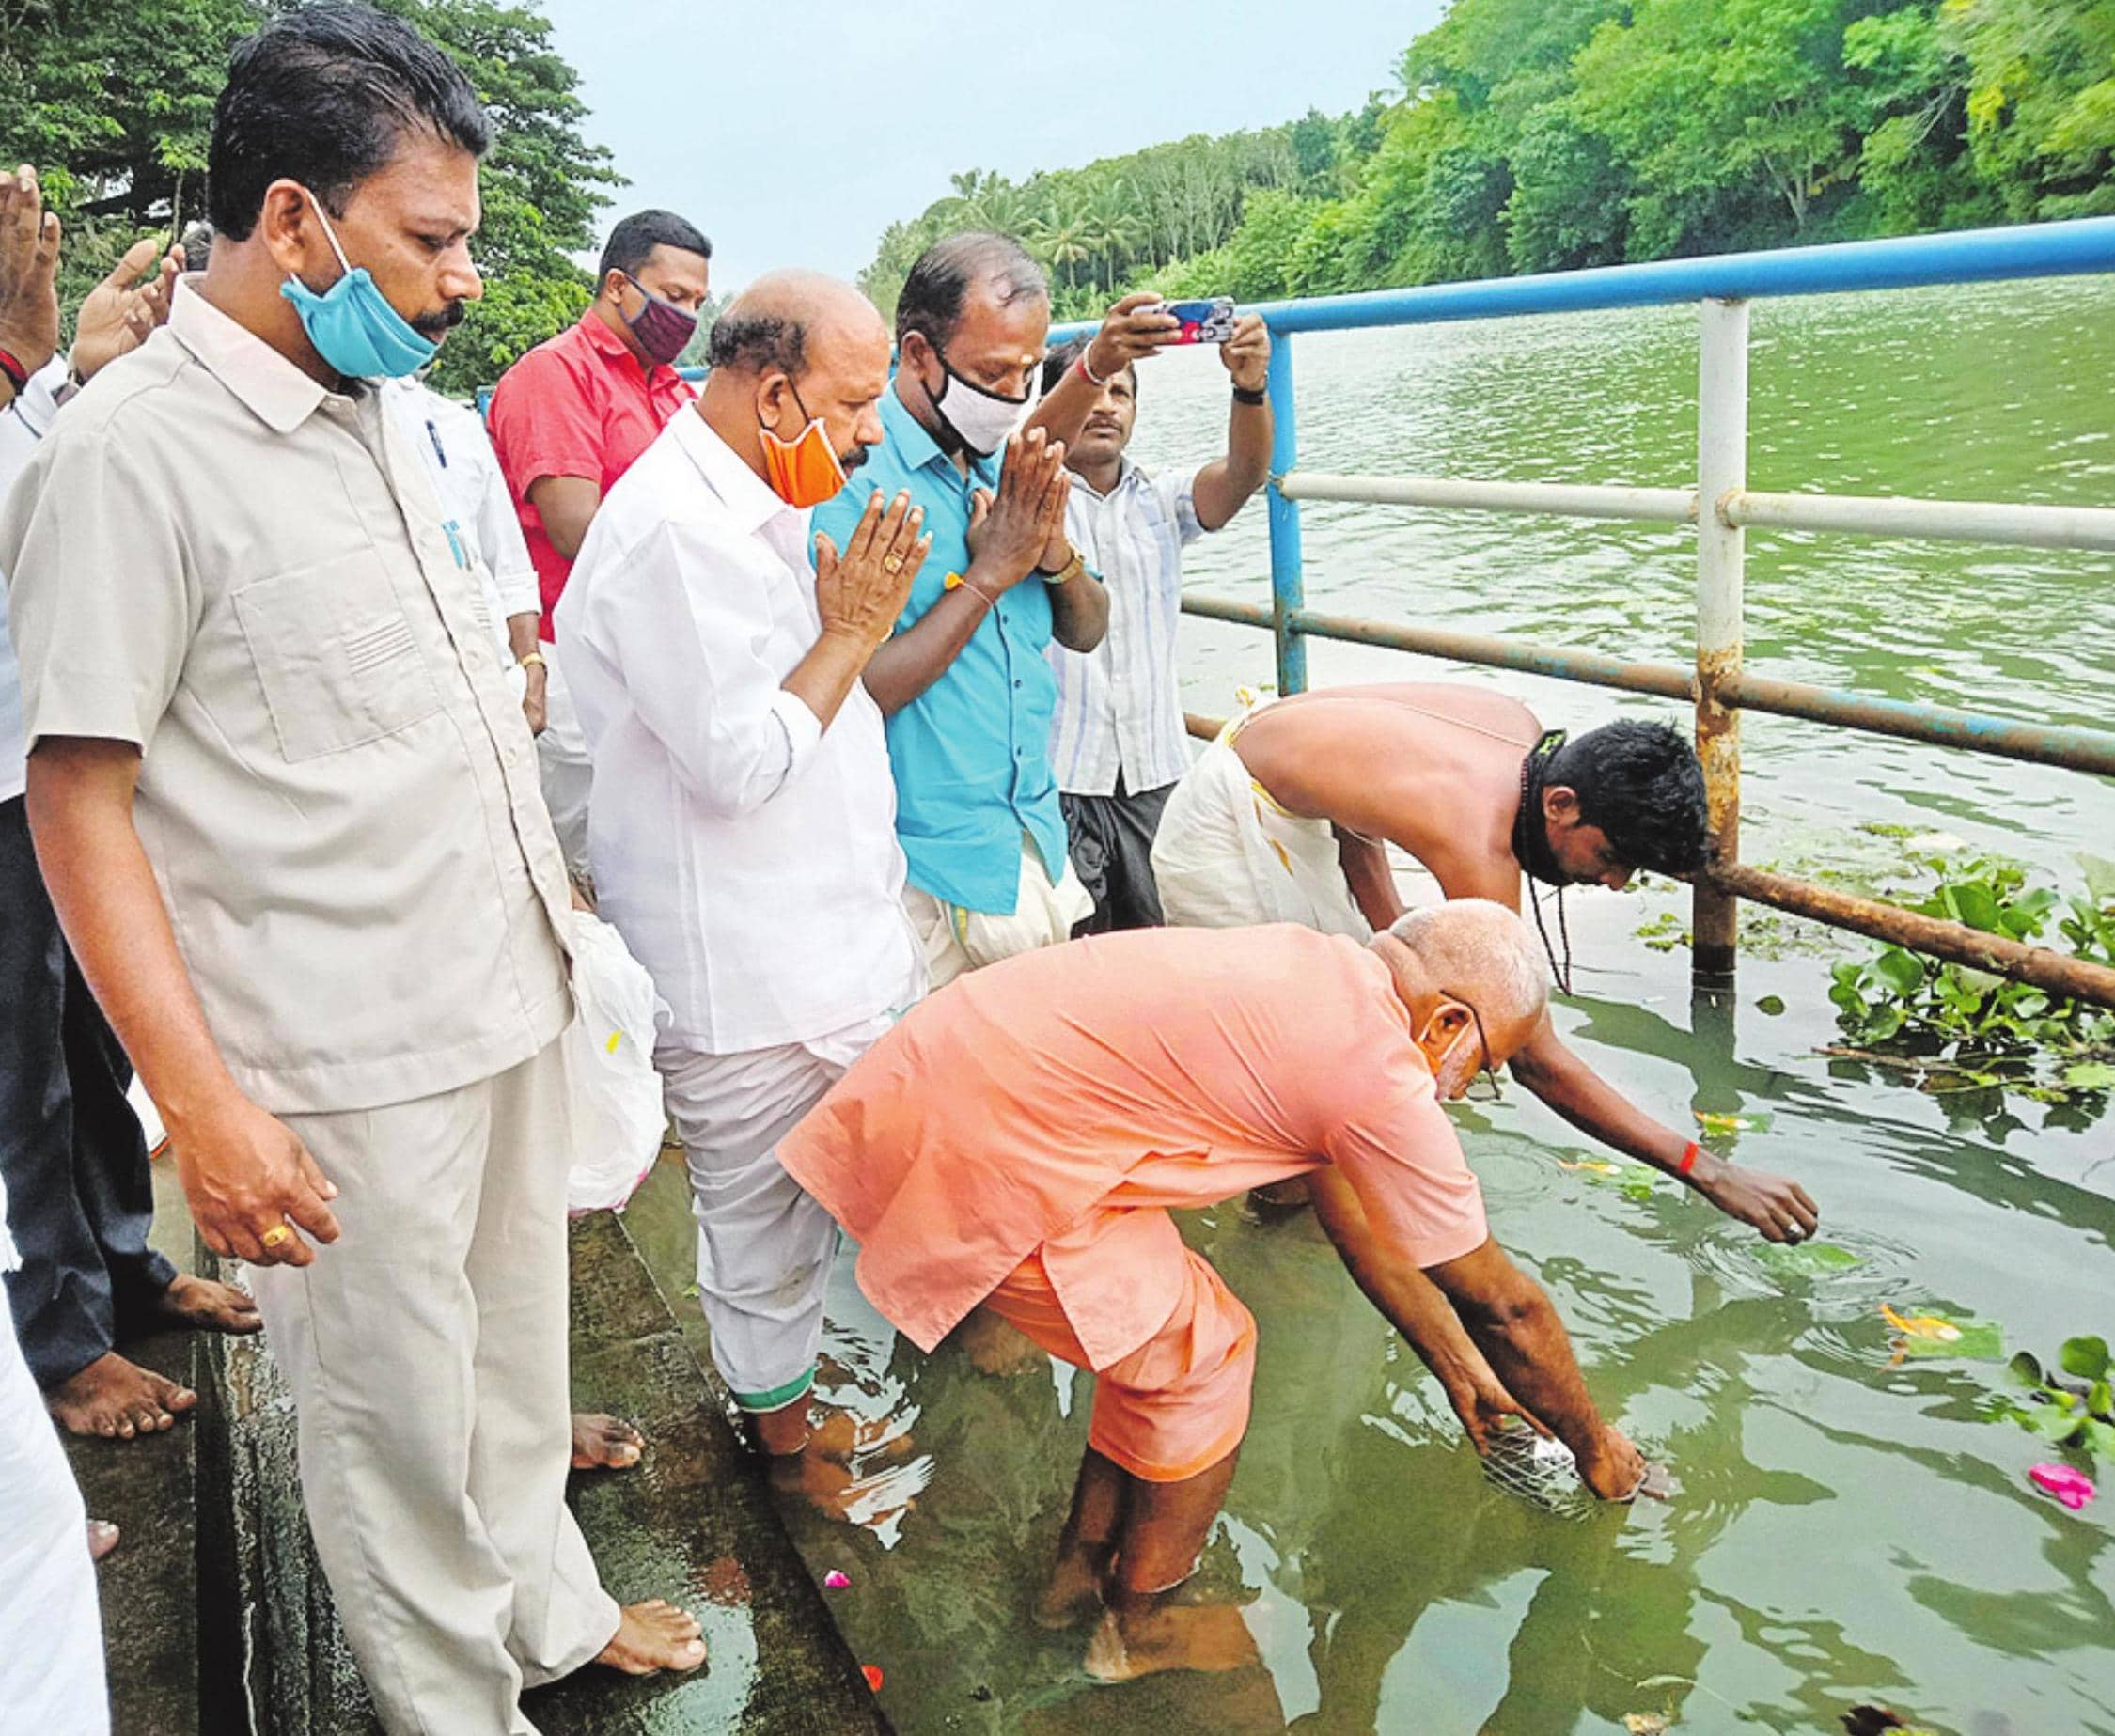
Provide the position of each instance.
(1847, 1531)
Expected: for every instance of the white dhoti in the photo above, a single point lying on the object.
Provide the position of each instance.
(50, 1625)
(955, 939)
(563, 766)
(426, 1352)
(764, 1248)
(1226, 856)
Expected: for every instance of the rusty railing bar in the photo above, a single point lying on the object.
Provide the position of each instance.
(2071, 747)
(2055, 972)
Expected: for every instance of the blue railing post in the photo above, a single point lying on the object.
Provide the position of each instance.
(1288, 586)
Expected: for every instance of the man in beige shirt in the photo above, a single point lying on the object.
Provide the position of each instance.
(287, 811)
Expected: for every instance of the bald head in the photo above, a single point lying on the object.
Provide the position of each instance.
(796, 348)
(1478, 952)
(783, 319)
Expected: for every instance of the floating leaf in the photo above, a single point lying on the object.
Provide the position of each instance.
(1771, 1004)
(2086, 1356)
(1934, 1335)
(2027, 1369)
(1592, 1164)
(2100, 877)
(1806, 1258)
(1901, 971)
(2091, 1076)
(1713, 1123)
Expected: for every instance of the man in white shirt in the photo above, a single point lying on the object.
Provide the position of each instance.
(742, 835)
(1116, 740)
(461, 464)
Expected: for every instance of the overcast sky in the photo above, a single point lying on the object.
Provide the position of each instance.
(792, 133)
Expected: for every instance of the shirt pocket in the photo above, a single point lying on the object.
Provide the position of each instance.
(334, 656)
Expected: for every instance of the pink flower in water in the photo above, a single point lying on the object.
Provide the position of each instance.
(836, 1581)
(2073, 1488)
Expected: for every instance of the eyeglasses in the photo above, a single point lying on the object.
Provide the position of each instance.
(1487, 1074)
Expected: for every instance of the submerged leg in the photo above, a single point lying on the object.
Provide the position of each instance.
(1086, 1546)
(1165, 1525)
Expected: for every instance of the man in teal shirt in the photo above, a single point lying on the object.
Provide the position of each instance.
(963, 683)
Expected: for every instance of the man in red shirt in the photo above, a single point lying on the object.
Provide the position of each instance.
(569, 418)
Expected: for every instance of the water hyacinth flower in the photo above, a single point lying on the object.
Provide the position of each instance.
(2073, 1488)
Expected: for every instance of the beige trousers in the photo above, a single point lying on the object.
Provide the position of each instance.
(426, 1352)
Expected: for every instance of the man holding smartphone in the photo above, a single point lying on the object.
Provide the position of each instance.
(1117, 744)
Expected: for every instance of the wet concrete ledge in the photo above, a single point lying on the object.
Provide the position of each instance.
(218, 1620)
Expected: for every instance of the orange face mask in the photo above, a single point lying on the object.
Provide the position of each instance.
(804, 470)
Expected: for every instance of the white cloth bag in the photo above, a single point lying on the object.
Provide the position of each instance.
(617, 1117)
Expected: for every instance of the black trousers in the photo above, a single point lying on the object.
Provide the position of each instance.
(1112, 851)
(79, 1195)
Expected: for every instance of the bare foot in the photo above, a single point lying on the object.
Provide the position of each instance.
(825, 1484)
(117, 1399)
(209, 1306)
(654, 1636)
(102, 1538)
(994, 1345)
(1074, 1591)
(843, 1436)
(605, 1442)
(1209, 1638)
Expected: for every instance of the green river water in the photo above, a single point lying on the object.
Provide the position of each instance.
(1848, 1530)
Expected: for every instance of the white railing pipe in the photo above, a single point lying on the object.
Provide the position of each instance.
(2019, 525)
(1669, 506)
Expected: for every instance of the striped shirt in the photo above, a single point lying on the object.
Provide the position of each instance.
(1119, 708)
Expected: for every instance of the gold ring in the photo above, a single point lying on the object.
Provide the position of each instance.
(276, 1234)
(893, 564)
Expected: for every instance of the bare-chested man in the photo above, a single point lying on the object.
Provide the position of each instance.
(1285, 817)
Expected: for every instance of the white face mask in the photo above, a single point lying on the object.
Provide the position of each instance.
(982, 421)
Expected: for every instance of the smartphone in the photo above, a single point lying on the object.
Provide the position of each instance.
(1207, 321)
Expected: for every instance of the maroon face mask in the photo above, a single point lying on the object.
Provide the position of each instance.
(664, 330)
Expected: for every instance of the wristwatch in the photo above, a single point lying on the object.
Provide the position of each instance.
(1065, 575)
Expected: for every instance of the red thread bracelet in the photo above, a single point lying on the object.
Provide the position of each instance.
(1088, 374)
(10, 365)
(1690, 1152)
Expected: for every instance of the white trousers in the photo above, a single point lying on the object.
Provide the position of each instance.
(955, 940)
(51, 1627)
(764, 1247)
(563, 767)
(426, 1352)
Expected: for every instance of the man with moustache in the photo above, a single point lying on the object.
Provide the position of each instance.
(744, 826)
(287, 808)
(963, 682)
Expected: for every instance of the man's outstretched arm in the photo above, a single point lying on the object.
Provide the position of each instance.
(1774, 1205)
(1410, 1303)
(1514, 1324)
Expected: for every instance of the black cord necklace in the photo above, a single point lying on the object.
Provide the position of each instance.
(1530, 849)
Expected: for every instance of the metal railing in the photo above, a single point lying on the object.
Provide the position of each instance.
(1722, 508)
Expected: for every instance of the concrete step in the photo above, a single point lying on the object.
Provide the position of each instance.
(151, 1603)
(218, 1619)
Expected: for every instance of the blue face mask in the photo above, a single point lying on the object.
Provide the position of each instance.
(351, 324)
